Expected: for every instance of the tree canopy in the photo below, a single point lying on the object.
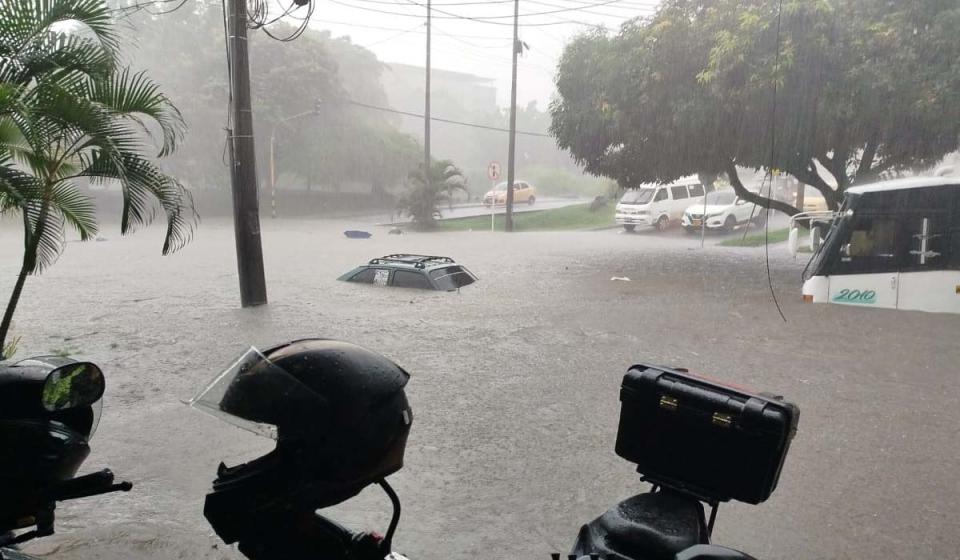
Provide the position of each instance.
(863, 88)
(184, 51)
(69, 113)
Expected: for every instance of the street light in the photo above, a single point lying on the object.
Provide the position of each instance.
(273, 146)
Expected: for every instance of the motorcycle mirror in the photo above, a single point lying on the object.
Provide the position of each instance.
(71, 386)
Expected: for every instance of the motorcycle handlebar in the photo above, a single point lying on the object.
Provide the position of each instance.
(93, 484)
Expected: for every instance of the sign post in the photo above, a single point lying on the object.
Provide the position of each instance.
(493, 172)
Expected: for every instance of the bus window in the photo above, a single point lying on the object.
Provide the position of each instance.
(870, 245)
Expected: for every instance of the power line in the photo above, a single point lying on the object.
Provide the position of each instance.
(773, 147)
(451, 15)
(587, 11)
(556, 11)
(477, 3)
(492, 58)
(439, 119)
(392, 37)
(126, 11)
(382, 28)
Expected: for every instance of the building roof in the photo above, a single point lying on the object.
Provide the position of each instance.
(440, 73)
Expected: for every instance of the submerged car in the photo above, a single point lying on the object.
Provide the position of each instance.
(425, 272)
(522, 192)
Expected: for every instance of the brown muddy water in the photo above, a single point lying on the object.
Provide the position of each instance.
(515, 386)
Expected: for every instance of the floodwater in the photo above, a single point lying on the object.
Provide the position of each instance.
(514, 385)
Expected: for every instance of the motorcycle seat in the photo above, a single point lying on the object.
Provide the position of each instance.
(650, 526)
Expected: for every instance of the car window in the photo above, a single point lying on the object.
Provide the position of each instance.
(661, 195)
(696, 190)
(679, 192)
(452, 277)
(366, 276)
(721, 197)
(409, 279)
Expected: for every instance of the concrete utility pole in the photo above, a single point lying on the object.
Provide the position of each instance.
(511, 157)
(243, 165)
(426, 109)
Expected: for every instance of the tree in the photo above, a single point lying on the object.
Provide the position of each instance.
(421, 200)
(863, 88)
(183, 50)
(70, 113)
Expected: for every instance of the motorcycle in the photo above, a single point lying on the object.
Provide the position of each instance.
(340, 419)
(49, 409)
(695, 440)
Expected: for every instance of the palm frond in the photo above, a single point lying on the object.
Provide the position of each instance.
(77, 209)
(132, 95)
(58, 55)
(23, 21)
(144, 187)
(17, 189)
(44, 236)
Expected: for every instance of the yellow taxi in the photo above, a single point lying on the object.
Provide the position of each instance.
(522, 192)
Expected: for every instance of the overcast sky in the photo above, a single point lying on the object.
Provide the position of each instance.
(478, 47)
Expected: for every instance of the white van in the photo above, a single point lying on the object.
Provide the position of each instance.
(894, 244)
(658, 205)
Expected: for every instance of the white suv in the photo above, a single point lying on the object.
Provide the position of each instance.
(723, 210)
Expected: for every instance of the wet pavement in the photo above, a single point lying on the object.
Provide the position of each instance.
(515, 386)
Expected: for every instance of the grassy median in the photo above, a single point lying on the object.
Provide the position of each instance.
(758, 239)
(573, 217)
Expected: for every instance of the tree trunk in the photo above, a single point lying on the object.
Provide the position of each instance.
(762, 201)
(12, 306)
(809, 176)
(29, 265)
(865, 169)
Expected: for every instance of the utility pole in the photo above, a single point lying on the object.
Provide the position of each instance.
(426, 109)
(511, 157)
(243, 165)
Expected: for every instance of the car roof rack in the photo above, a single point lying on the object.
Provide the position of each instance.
(418, 261)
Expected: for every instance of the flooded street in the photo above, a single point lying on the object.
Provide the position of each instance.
(514, 385)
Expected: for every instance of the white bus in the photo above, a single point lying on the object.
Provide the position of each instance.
(894, 244)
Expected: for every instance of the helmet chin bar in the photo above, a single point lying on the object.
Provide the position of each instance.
(387, 544)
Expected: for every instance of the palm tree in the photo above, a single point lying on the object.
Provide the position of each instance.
(70, 114)
(421, 200)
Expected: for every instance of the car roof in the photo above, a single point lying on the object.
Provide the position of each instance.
(404, 260)
(910, 183)
(681, 182)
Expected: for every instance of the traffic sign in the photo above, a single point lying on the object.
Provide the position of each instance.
(493, 170)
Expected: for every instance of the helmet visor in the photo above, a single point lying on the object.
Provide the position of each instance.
(256, 395)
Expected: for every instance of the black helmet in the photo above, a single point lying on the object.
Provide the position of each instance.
(338, 412)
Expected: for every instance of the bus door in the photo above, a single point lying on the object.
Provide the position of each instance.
(866, 271)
